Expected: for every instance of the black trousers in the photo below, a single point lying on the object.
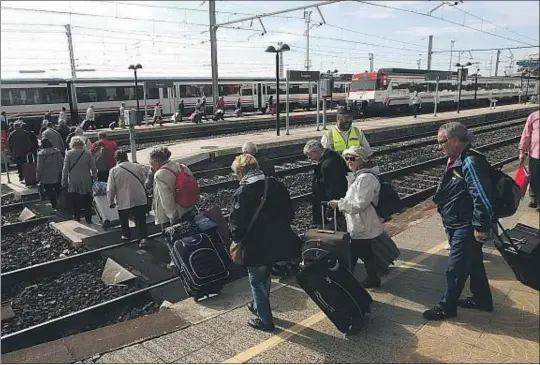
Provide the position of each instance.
(20, 161)
(415, 107)
(103, 176)
(362, 249)
(534, 183)
(81, 202)
(53, 192)
(139, 216)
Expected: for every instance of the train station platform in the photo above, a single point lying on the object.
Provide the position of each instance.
(189, 152)
(215, 330)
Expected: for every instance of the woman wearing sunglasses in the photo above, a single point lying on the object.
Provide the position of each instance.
(363, 223)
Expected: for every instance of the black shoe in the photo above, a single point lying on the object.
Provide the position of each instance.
(252, 308)
(371, 283)
(437, 314)
(88, 221)
(258, 324)
(470, 303)
(533, 204)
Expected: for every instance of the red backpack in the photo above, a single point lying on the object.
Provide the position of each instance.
(187, 188)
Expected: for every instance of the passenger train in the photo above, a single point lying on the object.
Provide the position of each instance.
(392, 88)
(32, 98)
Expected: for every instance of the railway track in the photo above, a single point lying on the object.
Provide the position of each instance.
(414, 184)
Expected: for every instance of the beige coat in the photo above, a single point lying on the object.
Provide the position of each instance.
(165, 207)
(124, 189)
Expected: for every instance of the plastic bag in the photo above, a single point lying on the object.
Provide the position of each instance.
(522, 179)
(99, 188)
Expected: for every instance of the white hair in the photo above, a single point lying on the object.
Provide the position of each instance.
(76, 141)
(249, 147)
(313, 145)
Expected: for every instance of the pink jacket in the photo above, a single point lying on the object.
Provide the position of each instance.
(530, 138)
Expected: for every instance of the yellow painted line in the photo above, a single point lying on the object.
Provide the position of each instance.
(287, 333)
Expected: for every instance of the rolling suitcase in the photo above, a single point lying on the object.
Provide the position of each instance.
(85, 124)
(385, 252)
(107, 215)
(336, 291)
(319, 242)
(29, 170)
(520, 248)
(200, 266)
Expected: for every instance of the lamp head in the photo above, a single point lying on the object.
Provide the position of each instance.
(284, 48)
(271, 49)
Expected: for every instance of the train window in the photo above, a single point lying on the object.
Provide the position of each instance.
(6, 97)
(206, 90)
(189, 91)
(338, 88)
(226, 90)
(87, 94)
(53, 95)
(363, 85)
(152, 93)
(129, 93)
(246, 91)
(111, 94)
(165, 93)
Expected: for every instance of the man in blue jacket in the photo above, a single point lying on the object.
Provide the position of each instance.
(464, 200)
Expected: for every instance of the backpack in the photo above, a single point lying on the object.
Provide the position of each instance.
(506, 192)
(187, 189)
(100, 155)
(389, 200)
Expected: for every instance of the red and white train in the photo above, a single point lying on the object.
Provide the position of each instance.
(392, 88)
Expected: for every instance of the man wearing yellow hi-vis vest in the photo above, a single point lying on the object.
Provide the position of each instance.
(344, 135)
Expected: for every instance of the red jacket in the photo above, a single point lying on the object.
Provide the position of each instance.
(111, 147)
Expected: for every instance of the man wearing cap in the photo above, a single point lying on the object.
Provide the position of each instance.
(344, 135)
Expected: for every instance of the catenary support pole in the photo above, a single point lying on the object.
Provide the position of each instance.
(213, 53)
(429, 52)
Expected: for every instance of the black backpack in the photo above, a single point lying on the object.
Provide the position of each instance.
(389, 200)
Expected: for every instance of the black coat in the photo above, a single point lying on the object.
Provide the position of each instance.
(64, 132)
(271, 238)
(19, 143)
(265, 164)
(329, 181)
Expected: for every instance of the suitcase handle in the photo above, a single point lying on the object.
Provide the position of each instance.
(324, 204)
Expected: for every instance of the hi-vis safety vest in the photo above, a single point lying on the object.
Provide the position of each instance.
(338, 144)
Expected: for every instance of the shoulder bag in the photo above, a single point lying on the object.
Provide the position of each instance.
(148, 200)
(236, 247)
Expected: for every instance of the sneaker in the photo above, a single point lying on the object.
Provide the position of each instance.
(447, 247)
(125, 238)
(533, 204)
(258, 324)
(470, 303)
(437, 314)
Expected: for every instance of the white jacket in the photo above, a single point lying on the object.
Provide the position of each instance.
(362, 219)
(124, 189)
(165, 207)
(90, 114)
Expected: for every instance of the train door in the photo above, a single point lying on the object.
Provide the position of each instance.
(260, 97)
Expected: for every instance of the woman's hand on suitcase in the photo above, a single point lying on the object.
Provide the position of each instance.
(333, 204)
(112, 206)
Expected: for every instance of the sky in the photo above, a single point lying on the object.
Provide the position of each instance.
(171, 38)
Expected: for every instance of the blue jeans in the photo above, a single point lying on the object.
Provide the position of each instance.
(465, 259)
(259, 280)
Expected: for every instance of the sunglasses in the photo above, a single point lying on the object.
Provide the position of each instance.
(350, 158)
(442, 142)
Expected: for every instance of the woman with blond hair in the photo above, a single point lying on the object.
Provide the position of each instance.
(78, 175)
(260, 217)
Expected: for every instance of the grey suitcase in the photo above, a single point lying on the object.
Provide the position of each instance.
(320, 242)
(385, 252)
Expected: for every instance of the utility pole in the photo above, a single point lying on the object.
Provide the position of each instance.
(419, 63)
(371, 62)
(429, 52)
(497, 62)
(213, 52)
(490, 64)
(451, 49)
(73, 105)
(307, 17)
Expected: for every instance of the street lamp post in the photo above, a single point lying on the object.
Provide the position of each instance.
(132, 133)
(460, 73)
(332, 75)
(272, 49)
(527, 90)
(476, 84)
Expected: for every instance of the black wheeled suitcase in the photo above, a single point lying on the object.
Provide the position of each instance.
(385, 252)
(336, 291)
(520, 248)
(198, 260)
(85, 125)
(319, 242)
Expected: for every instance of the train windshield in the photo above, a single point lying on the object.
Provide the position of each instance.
(363, 85)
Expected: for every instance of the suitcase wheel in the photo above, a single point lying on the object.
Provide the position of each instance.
(333, 266)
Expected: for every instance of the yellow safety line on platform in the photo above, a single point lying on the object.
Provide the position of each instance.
(286, 333)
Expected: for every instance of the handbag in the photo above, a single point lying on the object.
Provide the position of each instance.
(236, 247)
(522, 179)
